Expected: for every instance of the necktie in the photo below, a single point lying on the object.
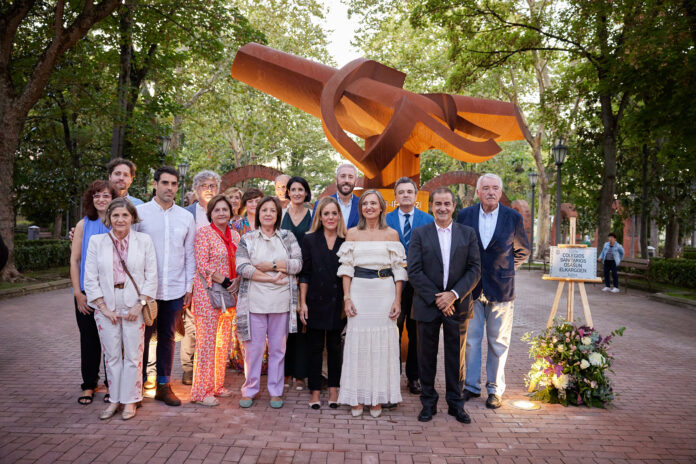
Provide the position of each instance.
(407, 231)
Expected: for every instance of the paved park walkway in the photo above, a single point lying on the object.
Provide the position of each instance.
(653, 420)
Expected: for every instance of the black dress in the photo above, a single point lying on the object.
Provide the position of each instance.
(297, 351)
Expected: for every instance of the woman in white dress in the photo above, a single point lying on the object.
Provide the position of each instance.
(373, 267)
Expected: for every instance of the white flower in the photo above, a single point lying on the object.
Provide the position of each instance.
(584, 364)
(561, 383)
(586, 341)
(596, 359)
(560, 348)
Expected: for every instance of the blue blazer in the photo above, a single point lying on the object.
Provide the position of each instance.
(192, 209)
(419, 219)
(506, 252)
(354, 217)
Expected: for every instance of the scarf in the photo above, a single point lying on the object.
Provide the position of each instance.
(231, 248)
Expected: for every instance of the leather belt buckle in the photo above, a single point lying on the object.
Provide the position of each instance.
(379, 273)
(118, 286)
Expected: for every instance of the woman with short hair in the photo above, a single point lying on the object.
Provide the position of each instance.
(268, 259)
(95, 201)
(120, 278)
(215, 247)
(249, 202)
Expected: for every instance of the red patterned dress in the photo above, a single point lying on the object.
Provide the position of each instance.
(213, 327)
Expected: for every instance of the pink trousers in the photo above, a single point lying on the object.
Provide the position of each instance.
(275, 328)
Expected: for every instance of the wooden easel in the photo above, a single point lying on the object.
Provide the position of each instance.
(571, 287)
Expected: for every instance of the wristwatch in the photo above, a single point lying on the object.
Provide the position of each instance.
(275, 265)
(143, 302)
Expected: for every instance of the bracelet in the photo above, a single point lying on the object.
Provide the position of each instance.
(346, 297)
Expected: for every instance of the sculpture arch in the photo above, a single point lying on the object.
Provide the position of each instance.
(251, 171)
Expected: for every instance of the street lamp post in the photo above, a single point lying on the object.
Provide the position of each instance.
(164, 147)
(183, 169)
(632, 197)
(533, 178)
(559, 151)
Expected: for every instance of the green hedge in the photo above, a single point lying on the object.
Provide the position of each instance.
(34, 255)
(679, 272)
(689, 254)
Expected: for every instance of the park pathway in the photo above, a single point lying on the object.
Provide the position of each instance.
(653, 420)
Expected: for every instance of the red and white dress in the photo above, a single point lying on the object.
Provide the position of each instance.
(213, 327)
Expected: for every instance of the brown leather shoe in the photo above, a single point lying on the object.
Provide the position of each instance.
(187, 378)
(494, 401)
(165, 394)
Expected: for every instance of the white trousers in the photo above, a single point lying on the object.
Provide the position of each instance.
(122, 345)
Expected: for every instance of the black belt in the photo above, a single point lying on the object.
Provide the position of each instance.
(364, 273)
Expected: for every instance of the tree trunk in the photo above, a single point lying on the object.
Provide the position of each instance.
(57, 225)
(9, 142)
(608, 190)
(125, 26)
(644, 213)
(671, 236)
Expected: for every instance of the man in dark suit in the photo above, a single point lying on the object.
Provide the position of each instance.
(346, 177)
(444, 268)
(503, 246)
(404, 219)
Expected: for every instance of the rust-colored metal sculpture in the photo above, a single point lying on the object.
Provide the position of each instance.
(366, 99)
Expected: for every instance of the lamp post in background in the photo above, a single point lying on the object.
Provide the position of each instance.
(559, 152)
(164, 147)
(183, 169)
(533, 178)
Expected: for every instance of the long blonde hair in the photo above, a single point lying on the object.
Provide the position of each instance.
(316, 222)
(382, 214)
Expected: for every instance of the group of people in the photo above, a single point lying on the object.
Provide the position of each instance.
(268, 285)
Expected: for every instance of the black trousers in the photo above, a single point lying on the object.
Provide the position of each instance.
(610, 267)
(90, 350)
(297, 353)
(454, 333)
(167, 313)
(405, 320)
(316, 338)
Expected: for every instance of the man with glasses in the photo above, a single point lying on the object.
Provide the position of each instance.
(206, 185)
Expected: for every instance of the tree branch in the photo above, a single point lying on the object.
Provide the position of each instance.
(58, 22)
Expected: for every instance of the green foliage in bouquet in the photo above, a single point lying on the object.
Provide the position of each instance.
(571, 365)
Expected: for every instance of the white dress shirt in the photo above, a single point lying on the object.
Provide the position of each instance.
(487, 223)
(173, 232)
(444, 236)
(402, 218)
(345, 209)
(201, 217)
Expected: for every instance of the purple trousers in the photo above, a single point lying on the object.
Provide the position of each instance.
(275, 328)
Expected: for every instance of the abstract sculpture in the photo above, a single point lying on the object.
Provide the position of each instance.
(366, 99)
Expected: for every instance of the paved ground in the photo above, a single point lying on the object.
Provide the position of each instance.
(653, 420)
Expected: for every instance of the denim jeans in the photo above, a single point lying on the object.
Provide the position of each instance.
(167, 313)
(496, 319)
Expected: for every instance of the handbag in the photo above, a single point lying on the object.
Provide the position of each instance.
(220, 297)
(150, 309)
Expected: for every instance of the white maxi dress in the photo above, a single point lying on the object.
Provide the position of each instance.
(370, 372)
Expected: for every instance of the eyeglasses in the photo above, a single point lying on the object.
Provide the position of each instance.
(209, 187)
(105, 196)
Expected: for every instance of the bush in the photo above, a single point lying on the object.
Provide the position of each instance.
(35, 255)
(679, 272)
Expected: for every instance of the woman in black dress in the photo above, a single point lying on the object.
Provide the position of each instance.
(298, 220)
(321, 297)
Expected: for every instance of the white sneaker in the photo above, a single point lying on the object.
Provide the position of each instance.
(614, 290)
(606, 289)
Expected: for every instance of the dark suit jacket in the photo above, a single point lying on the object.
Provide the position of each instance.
(419, 219)
(425, 271)
(352, 221)
(507, 250)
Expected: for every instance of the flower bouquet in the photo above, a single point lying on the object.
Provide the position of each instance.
(571, 365)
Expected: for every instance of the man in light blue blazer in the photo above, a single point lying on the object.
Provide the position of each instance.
(346, 177)
(404, 219)
(503, 247)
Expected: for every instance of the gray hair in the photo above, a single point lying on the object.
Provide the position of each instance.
(347, 165)
(406, 180)
(489, 175)
(204, 175)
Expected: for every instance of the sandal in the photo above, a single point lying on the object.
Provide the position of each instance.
(107, 398)
(85, 400)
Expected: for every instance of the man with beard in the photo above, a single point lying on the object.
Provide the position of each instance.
(206, 184)
(173, 231)
(121, 175)
(503, 246)
(346, 177)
